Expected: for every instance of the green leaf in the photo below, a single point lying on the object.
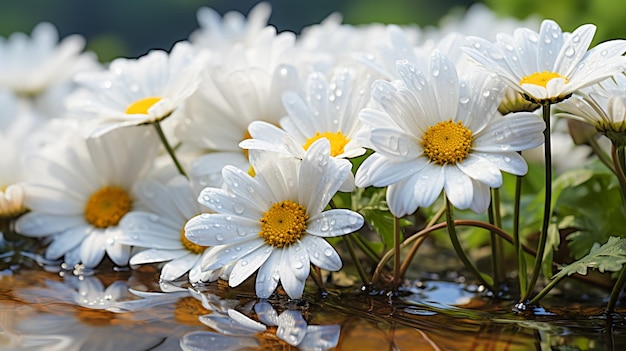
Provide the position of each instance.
(608, 257)
(382, 222)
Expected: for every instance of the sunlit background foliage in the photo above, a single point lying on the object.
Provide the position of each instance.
(115, 28)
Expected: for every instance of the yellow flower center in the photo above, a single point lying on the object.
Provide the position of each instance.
(190, 246)
(283, 224)
(337, 141)
(142, 106)
(540, 78)
(447, 142)
(107, 206)
(188, 309)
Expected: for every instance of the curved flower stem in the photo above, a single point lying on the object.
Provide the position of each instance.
(365, 248)
(168, 147)
(348, 241)
(316, 274)
(494, 248)
(396, 250)
(617, 153)
(543, 234)
(545, 290)
(519, 252)
(498, 223)
(459, 250)
(418, 243)
(602, 155)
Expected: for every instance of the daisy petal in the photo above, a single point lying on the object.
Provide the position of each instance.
(218, 229)
(248, 264)
(400, 197)
(482, 170)
(176, 268)
(92, 249)
(334, 222)
(222, 255)
(321, 253)
(481, 198)
(458, 187)
(292, 285)
(268, 277)
(428, 185)
(156, 255)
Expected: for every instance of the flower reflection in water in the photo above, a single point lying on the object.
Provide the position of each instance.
(236, 331)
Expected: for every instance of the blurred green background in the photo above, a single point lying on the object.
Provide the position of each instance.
(130, 28)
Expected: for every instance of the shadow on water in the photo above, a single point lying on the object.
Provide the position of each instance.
(128, 311)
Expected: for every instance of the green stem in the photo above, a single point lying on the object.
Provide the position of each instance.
(494, 248)
(168, 147)
(459, 250)
(521, 261)
(545, 290)
(396, 250)
(418, 243)
(543, 234)
(602, 156)
(367, 250)
(348, 241)
(616, 154)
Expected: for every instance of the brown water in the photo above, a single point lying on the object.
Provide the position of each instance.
(42, 310)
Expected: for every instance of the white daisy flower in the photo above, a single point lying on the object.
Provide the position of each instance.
(603, 106)
(31, 65)
(325, 110)
(222, 33)
(159, 229)
(81, 190)
(11, 193)
(435, 131)
(549, 65)
(246, 87)
(139, 91)
(274, 222)
(237, 331)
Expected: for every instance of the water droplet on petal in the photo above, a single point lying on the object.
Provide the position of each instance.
(328, 252)
(570, 51)
(219, 237)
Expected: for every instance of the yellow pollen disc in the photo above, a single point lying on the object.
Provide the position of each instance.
(142, 106)
(283, 224)
(107, 206)
(188, 309)
(541, 78)
(447, 142)
(337, 141)
(189, 245)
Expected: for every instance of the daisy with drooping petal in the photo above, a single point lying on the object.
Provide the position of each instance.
(550, 65)
(274, 222)
(603, 106)
(160, 230)
(237, 331)
(139, 91)
(437, 131)
(80, 191)
(326, 110)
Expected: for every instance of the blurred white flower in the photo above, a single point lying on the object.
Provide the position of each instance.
(81, 189)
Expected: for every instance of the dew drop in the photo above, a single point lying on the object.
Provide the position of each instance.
(238, 209)
(435, 72)
(244, 263)
(328, 252)
(219, 237)
(464, 99)
(477, 45)
(569, 52)
(486, 93)
(603, 52)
